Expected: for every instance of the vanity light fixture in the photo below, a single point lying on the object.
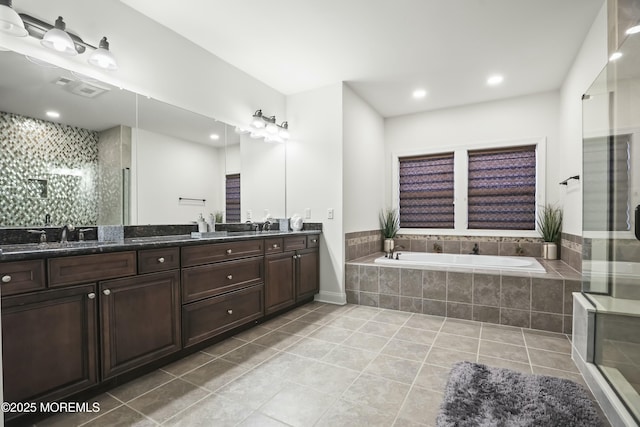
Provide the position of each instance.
(102, 57)
(262, 126)
(10, 22)
(58, 39)
(214, 137)
(55, 37)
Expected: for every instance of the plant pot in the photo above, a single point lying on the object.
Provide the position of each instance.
(388, 245)
(549, 250)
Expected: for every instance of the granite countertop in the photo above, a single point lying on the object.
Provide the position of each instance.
(27, 251)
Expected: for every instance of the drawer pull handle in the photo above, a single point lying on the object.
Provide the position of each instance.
(107, 292)
(229, 311)
(275, 246)
(91, 295)
(299, 256)
(161, 260)
(6, 279)
(230, 277)
(229, 251)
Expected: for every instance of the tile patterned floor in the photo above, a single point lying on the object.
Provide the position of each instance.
(325, 365)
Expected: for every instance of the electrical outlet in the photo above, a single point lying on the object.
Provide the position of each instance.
(330, 213)
(249, 213)
(307, 213)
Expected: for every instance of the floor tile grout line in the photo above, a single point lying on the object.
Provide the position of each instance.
(104, 413)
(424, 361)
(527, 350)
(209, 394)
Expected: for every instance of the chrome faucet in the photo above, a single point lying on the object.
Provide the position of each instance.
(81, 233)
(42, 233)
(390, 254)
(475, 250)
(64, 234)
(266, 226)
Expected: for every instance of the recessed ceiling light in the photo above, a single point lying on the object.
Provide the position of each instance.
(495, 80)
(633, 30)
(419, 93)
(615, 55)
(214, 136)
(53, 114)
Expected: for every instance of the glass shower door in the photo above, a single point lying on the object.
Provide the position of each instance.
(611, 195)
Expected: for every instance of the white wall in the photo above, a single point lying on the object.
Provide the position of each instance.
(315, 177)
(153, 60)
(363, 163)
(514, 119)
(590, 60)
(167, 168)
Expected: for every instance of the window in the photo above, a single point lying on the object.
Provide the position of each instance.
(426, 191)
(502, 189)
(473, 189)
(233, 197)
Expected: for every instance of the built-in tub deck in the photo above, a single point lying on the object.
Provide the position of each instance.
(502, 296)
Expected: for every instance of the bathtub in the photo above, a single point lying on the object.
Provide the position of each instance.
(486, 262)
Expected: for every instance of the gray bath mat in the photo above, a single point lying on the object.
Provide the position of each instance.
(479, 395)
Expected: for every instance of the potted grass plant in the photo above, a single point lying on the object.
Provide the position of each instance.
(550, 226)
(389, 224)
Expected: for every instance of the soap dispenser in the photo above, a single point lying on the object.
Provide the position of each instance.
(211, 222)
(202, 224)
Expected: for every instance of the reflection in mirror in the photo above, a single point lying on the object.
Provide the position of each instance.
(63, 146)
(179, 164)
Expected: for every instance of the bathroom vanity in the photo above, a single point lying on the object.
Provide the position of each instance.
(77, 317)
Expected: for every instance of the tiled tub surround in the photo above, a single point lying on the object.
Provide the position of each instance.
(363, 243)
(528, 300)
(571, 250)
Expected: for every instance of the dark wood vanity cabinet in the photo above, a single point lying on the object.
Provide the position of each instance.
(49, 343)
(139, 320)
(293, 274)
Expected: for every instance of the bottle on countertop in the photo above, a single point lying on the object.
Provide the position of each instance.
(202, 224)
(211, 222)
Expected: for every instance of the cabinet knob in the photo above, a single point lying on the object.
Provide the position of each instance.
(275, 246)
(6, 279)
(229, 251)
(229, 311)
(92, 295)
(314, 240)
(161, 260)
(230, 277)
(294, 257)
(106, 292)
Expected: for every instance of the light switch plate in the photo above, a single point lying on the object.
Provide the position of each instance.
(330, 213)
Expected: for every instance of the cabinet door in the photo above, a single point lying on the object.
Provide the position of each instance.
(49, 344)
(307, 273)
(139, 321)
(279, 283)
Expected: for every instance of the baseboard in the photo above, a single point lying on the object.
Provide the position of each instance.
(339, 298)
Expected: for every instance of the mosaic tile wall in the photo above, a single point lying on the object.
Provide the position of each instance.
(46, 168)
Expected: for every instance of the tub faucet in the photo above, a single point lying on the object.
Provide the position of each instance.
(475, 250)
(64, 234)
(390, 254)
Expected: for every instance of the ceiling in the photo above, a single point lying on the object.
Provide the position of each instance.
(385, 49)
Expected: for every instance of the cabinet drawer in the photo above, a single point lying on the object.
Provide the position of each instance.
(214, 279)
(208, 318)
(21, 276)
(295, 243)
(273, 246)
(152, 260)
(205, 254)
(90, 268)
(313, 241)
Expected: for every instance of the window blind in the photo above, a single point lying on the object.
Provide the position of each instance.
(426, 191)
(502, 189)
(233, 197)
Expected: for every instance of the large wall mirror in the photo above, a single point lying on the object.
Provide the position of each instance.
(76, 150)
